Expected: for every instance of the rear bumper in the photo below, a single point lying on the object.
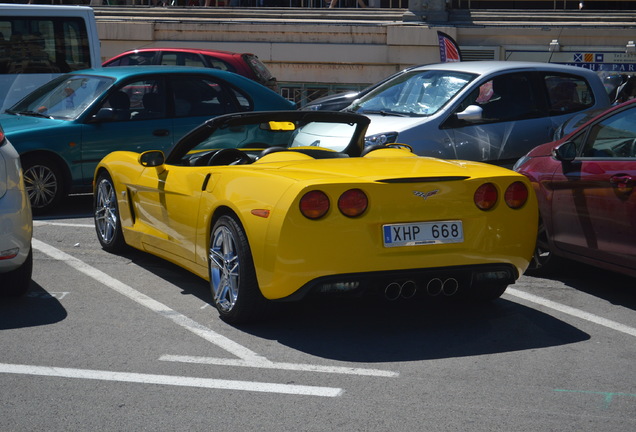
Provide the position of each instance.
(441, 281)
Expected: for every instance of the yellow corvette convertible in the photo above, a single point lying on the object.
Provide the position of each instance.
(277, 205)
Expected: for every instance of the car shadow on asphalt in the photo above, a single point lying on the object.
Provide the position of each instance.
(36, 308)
(375, 330)
(616, 288)
(371, 329)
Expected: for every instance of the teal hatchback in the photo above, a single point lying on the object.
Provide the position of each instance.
(64, 128)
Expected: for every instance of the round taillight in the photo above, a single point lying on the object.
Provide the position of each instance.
(486, 196)
(353, 202)
(516, 195)
(314, 204)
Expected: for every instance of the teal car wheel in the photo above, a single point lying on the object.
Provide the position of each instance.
(235, 292)
(106, 215)
(43, 183)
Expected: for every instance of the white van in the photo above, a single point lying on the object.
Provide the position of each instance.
(40, 42)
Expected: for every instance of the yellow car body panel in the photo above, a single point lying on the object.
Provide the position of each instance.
(169, 211)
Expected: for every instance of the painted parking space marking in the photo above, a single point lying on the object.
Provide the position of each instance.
(572, 311)
(39, 223)
(170, 380)
(281, 366)
(142, 299)
(248, 357)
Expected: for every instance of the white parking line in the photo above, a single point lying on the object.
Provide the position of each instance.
(38, 223)
(572, 311)
(282, 366)
(120, 287)
(209, 383)
(248, 358)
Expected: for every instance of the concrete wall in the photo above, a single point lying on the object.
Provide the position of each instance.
(349, 51)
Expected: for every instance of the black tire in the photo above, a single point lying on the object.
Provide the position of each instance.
(16, 282)
(235, 291)
(44, 183)
(543, 261)
(106, 215)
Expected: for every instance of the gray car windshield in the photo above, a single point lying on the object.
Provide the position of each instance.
(64, 98)
(413, 94)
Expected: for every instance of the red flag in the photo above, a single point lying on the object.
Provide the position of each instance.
(448, 49)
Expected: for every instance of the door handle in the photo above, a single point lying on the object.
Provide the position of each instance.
(161, 132)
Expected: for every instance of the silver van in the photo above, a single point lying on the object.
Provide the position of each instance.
(490, 111)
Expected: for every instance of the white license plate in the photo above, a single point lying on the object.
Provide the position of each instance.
(423, 233)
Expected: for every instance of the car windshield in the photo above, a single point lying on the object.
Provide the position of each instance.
(287, 134)
(413, 94)
(65, 97)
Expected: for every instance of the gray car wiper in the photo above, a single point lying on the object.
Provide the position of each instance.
(385, 113)
(30, 113)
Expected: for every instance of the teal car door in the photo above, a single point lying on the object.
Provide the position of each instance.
(200, 98)
(133, 117)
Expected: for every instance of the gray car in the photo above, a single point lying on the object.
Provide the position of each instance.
(16, 224)
(490, 111)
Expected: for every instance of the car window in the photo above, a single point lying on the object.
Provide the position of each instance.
(568, 94)
(65, 97)
(417, 93)
(217, 63)
(507, 98)
(181, 59)
(263, 74)
(199, 96)
(137, 100)
(244, 102)
(614, 137)
(134, 59)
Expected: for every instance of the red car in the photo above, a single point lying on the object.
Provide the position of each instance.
(585, 187)
(244, 64)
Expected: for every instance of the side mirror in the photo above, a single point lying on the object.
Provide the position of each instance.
(566, 152)
(472, 113)
(104, 114)
(152, 158)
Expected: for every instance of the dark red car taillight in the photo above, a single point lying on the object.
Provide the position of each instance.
(516, 195)
(314, 204)
(486, 196)
(353, 203)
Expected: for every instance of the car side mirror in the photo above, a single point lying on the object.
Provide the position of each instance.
(566, 152)
(472, 113)
(152, 158)
(104, 114)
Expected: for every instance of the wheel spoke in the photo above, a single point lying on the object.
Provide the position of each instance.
(224, 268)
(41, 185)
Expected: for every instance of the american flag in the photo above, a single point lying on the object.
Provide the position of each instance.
(448, 49)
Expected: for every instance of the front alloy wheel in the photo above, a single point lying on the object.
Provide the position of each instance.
(43, 184)
(235, 292)
(106, 215)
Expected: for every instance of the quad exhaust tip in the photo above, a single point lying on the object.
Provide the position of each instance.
(409, 288)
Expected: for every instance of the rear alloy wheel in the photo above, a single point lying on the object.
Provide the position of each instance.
(235, 292)
(106, 215)
(43, 183)
(16, 282)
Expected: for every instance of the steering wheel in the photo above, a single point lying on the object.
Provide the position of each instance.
(229, 156)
